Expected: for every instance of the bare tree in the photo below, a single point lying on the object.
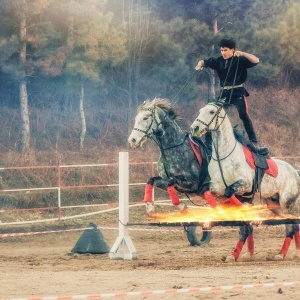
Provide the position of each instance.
(82, 117)
(25, 124)
(136, 18)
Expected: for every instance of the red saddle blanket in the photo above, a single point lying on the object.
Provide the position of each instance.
(272, 166)
(196, 150)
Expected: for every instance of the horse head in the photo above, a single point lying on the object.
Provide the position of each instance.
(151, 121)
(210, 118)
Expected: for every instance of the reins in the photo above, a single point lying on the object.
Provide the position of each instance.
(186, 82)
(176, 98)
(222, 89)
(217, 154)
(217, 126)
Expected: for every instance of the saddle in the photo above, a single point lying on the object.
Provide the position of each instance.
(261, 165)
(256, 160)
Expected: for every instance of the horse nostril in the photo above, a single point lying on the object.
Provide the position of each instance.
(196, 128)
(133, 140)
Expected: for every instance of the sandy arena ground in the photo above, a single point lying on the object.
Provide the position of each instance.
(43, 265)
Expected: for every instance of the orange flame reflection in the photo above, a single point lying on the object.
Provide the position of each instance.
(243, 213)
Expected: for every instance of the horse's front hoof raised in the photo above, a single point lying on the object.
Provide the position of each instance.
(182, 208)
(150, 207)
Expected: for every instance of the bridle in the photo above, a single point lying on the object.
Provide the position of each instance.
(215, 117)
(154, 135)
(156, 132)
(154, 119)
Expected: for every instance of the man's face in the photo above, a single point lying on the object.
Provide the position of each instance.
(226, 52)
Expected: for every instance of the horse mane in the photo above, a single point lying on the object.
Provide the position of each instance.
(163, 104)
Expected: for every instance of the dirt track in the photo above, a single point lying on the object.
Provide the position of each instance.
(42, 265)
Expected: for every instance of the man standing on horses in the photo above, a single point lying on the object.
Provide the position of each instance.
(231, 68)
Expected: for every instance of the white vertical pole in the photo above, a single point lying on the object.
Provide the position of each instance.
(123, 247)
(123, 193)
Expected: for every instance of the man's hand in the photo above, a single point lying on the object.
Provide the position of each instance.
(249, 56)
(238, 53)
(200, 65)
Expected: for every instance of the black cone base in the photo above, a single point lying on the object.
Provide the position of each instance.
(92, 241)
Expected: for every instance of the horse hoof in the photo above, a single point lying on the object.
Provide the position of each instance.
(279, 257)
(150, 207)
(297, 255)
(229, 259)
(248, 256)
(182, 207)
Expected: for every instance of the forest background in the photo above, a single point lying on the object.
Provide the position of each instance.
(73, 72)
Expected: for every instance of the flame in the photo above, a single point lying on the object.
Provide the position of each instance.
(255, 213)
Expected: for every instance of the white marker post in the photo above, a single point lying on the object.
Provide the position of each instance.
(123, 247)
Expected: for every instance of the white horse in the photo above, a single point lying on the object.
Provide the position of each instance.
(231, 174)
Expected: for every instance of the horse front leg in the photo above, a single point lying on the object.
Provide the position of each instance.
(162, 184)
(237, 187)
(148, 195)
(212, 202)
(174, 196)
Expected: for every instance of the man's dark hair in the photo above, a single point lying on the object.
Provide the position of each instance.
(227, 43)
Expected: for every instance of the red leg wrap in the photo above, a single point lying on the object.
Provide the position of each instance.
(226, 203)
(235, 201)
(238, 248)
(250, 243)
(297, 240)
(173, 195)
(208, 196)
(148, 193)
(285, 246)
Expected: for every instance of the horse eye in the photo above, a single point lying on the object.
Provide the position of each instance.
(145, 118)
(211, 112)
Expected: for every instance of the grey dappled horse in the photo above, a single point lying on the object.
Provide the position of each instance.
(178, 167)
(231, 174)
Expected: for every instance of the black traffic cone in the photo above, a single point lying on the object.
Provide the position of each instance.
(92, 241)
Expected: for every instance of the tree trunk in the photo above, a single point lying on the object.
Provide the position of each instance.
(69, 97)
(25, 125)
(137, 20)
(82, 117)
(212, 77)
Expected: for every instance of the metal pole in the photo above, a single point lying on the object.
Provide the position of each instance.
(208, 225)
